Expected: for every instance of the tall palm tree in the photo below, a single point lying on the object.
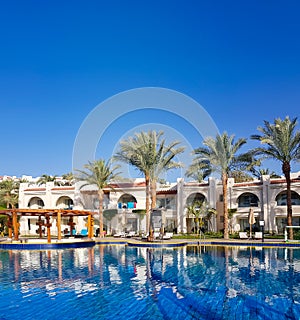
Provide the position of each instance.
(98, 173)
(163, 156)
(280, 141)
(9, 193)
(219, 155)
(148, 153)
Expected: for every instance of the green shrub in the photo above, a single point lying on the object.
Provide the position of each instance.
(216, 235)
(297, 235)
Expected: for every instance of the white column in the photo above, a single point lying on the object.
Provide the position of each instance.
(181, 221)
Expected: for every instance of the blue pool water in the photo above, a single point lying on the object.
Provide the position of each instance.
(118, 282)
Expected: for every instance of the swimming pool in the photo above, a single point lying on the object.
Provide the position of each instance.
(120, 282)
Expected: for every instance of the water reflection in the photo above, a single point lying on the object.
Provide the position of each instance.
(142, 283)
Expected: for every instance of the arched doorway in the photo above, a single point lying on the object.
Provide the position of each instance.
(191, 200)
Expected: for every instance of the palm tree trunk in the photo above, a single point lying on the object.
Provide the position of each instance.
(286, 169)
(100, 197)
(225, 204)
(153, 194)
(148, 227)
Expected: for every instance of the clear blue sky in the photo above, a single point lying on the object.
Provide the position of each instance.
(59, 59)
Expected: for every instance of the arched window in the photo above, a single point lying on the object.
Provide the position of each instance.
(64, 202)
(36, 203)
(248, 200)
(127, 201)
(281, 198)
(192, 198)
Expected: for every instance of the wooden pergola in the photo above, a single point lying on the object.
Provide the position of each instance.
(44, 216)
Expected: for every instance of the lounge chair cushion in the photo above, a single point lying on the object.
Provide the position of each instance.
(168, 235)
(243, 235)
(258, 235)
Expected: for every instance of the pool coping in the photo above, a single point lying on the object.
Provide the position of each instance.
(185, 242)
(38, 244)
(42, 245)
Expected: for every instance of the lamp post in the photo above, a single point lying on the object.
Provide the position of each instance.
(262, 224)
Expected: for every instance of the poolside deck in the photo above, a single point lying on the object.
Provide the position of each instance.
(135, 241)
(42, 244)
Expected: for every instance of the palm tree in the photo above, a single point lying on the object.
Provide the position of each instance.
(68, 179)
(198, 171)
(98, 173)
(9, 193)
(240, 176)
(147, 152)
(280, 141)
(264, 172)
(46, 178)
(198, 210)
(219, 155)
(163, 156)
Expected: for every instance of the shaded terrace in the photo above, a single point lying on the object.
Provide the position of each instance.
(44, 216)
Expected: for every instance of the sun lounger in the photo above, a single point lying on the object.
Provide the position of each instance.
(67, 235)
(258, 235)
(120, 235)
(168, 235)
(156, 235)
(243, 235)
(83, 233)
(145, 236)
(130, 234)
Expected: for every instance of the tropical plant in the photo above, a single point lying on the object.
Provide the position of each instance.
(46, 178)
(9, 193)
(240, 176)
(201, 212)
(68, 179)
(230, 216)
(258, 173)
(198, 210)
(98, 173)
(220, 155)
(109, 214)
(3, 225)
(198, 171)
(141, 214)
(280, 141)
(163, 156)
(209, 214)
(149, 154)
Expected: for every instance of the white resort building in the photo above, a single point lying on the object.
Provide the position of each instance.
(124, 204)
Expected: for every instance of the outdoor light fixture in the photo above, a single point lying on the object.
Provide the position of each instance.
(262, 224)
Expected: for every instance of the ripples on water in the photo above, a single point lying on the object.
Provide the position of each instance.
(118, 282)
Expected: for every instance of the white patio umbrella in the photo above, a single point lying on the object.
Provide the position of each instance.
(251, 220)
